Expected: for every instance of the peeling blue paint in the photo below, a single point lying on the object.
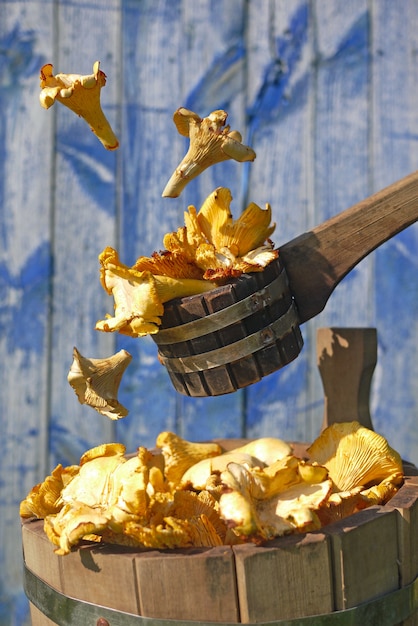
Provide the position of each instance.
(221, 84)
(18, 59)
(272, 95)
(94, 166)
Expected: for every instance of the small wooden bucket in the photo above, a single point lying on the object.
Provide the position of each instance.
(226, 339)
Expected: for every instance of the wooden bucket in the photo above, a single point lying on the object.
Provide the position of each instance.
(361, 570)
(226, 339)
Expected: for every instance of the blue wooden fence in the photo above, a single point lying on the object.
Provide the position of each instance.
(325, 91)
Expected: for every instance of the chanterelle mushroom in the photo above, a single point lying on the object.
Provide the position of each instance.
(210, 142)
(96, 382)
(180, 454)
(221, 246)
(139, 295)
(364, 469)
(262, 504)
(356, 456)
(81, 94)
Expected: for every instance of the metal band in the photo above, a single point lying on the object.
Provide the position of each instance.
(231, 314)
(234, 351)
(386, 610)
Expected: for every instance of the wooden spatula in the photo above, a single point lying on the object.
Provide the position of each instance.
(319, 259)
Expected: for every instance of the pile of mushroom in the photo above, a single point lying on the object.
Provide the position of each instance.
(196, 494)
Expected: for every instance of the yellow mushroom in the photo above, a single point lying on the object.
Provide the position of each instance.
(139, 295)
(220, 246)
(257, 509)
(106, 493)
(257, 453)
(210, 142)
(198, 475)
(96, 382)
(267, 449)
(180, 454)
(248, 232)
(44, 498)
(81, 94)
(356, 456)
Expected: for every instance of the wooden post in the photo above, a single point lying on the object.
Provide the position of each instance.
(346, 361)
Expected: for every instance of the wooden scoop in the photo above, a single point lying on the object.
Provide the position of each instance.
(318, 260)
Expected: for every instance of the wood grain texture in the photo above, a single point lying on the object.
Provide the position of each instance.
(406, 503)
(326, 95)
(25, 279)
(286, 579)
(361, 570)
(205, 589)
(394, 149)
(349, 355)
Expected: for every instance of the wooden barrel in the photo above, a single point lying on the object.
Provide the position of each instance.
(360, 570)
(226, 339)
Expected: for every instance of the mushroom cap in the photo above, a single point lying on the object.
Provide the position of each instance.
(180, 454)
(355, 456)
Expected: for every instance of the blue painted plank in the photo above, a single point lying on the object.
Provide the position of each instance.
(192, 67)
(214, 77)
(395, 154)
(25, 274)
(341, 159)
(84, 223)
(280, 113)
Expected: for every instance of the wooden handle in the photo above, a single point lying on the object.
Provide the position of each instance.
(319, 259)
(346, 361)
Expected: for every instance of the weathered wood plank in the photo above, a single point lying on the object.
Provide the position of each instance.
(360, 570)
(26, 156)
(214, 77)
(406, 503)
(288, 578)
(84, 223)
(103, 575)
(280, 92)
(206, 588)
(394, 152)
(39, 554)
(149, 100)
(340, 150)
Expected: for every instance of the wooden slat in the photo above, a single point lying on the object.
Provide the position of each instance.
(39, 553)
(364, 550)
(288, 578)
(205, 588)
(395, 153)
(86, 173)
(151, 149)
(280, 96)
(214, 76)
(104, 576)
(26, 157)
(340, 153)
(406, 503)
(38, 618)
